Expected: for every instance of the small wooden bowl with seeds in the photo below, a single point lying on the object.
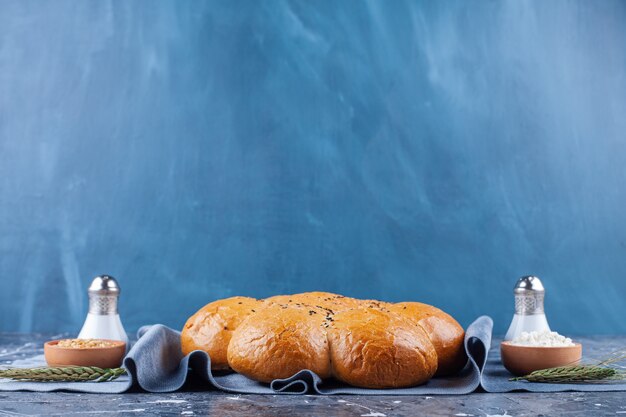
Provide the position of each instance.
(102, 353)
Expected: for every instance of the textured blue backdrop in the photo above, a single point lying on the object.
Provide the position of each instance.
(399, 150)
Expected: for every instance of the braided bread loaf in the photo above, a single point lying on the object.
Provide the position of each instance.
(365, 343)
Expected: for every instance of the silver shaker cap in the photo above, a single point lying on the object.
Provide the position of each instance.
(529, 296)
(528, 284)
(104, 284)
(103, 293)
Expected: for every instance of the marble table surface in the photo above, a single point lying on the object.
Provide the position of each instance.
(195, 402)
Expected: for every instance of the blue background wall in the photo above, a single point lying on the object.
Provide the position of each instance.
(433, 151)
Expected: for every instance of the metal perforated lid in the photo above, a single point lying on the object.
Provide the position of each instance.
(103, 294)
(104, 285)
(528, 284)
(529, 295)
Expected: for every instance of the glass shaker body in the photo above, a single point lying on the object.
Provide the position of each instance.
(529, 312)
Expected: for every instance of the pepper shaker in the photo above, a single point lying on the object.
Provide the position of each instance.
(529, 313)
(103, 321)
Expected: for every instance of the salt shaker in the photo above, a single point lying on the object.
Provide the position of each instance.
(103, 320)
(529, 314)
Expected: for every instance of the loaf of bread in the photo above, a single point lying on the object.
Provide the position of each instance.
(365, 343)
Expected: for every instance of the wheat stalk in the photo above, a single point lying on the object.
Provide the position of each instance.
(63, 374)
(581, 373)
(602, 371)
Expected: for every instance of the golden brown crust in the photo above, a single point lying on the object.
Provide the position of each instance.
(371, 348)
(210, 328)
(445, 333)
(365, 343)
(326, 300)
(279, 341)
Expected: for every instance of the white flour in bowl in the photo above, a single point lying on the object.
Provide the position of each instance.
(544, 339)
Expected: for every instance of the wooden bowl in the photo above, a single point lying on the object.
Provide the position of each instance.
(102, 357)
(522, 360)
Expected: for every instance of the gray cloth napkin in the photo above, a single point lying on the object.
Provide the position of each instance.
(156, 364)
(478, 335)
